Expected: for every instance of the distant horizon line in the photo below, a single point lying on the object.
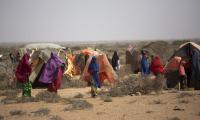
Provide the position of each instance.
(97, 41)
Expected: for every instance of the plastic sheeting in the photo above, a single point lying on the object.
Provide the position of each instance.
(173, 64)
(70, 68)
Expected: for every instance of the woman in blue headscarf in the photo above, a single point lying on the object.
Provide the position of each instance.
(93, 70)
(144, 65)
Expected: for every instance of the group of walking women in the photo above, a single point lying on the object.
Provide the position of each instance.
(151, 65)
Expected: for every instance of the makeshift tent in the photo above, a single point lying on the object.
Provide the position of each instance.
(43, 46)
(133, 59)
(47, 68)
(77, 62)
(81, 63)
(106, 71)
(189, 51)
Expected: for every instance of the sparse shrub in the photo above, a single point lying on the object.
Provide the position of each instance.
(3, 77)
(9, 100)
(126, 87)
(68, 108)
(184, 94)
(184, 101)
(17, 112)
(157, 101)
(81, 104)
(107, 99)
(1, 117)
(176, 108)
(133, 85)
(14, 99)
(79, 95)
(68, 82)
(26, 99)
(198, 114)
(173, 91)
(116, 92)
(149, 111)
(41, 112)
(10, 93)
(158, 83)
(174, 118)
(56, 118)
(133, 101)
(48, 97)
(66, 100)
(78, 105)
(100, 113)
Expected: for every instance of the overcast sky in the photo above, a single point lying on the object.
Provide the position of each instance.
(81, 20)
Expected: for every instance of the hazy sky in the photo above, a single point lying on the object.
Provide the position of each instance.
(67, 20)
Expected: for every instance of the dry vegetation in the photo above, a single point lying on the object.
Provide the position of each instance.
(41, 112)
(106, 98)
(48, 97)
(149, 111)
(174, 118)
(137, 86)
(56, 118)
(185, 101)
(77, 104)
(9, 92)
(1, 117)
(185, 94)
(79, 95)
(17, 112)
(72, 83)
(158, 102)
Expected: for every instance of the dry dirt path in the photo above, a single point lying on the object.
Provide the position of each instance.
(145, 107)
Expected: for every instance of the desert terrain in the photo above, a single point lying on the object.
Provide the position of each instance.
(169, 105)
(73, 101)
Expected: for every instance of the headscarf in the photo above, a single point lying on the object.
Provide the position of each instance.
(93, 67)
(115, 59)
(23, 69)
(51, 69)
(144, 64)
(156, 66)
(93, 70)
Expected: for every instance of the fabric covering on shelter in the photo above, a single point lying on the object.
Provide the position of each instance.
(70, 68)
(195, 78)
(51, 69)
(79, 63)
(186, 49)
(42, 46)
(173, 63)
(38, 58)
(36, 69)
(133, 59)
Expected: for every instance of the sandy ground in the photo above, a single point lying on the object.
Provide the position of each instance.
(121, 108)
